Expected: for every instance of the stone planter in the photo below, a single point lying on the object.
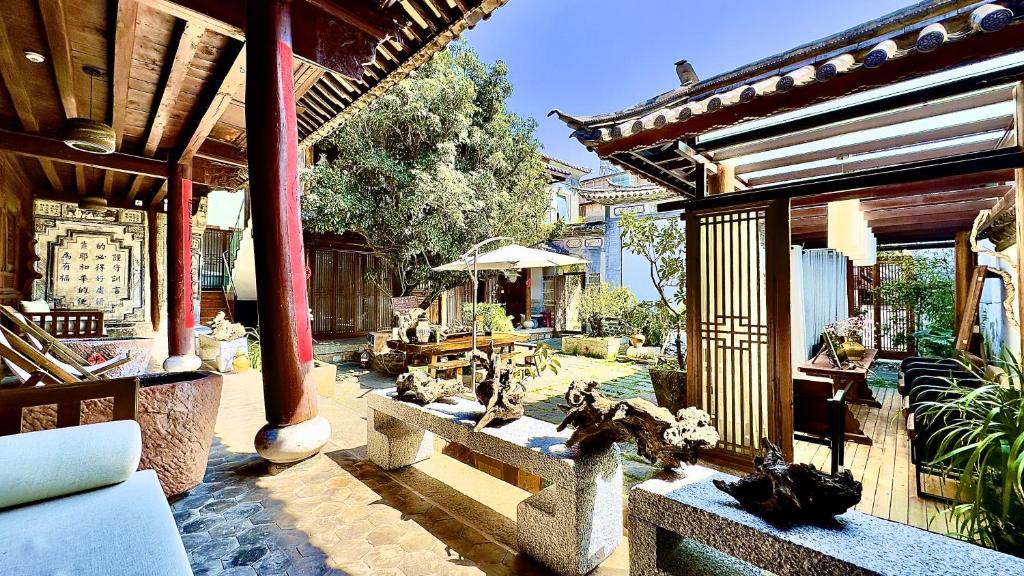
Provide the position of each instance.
(97, 350)
(669, 388)
(592, 346)
(221, 353)
(176, 412)
(325, 375)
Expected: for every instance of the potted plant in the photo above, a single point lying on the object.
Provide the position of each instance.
(849, 332)
(176, 412)
(981, 444)
(225, 341)
(601, 309)
(662, 242)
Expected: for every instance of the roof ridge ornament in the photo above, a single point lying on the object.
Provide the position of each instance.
(990, 18)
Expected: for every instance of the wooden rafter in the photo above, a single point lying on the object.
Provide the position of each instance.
(213, 106)
(55, 23)
(184, 52)
(124, 45)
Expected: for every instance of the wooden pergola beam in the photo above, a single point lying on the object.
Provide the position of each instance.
(883, 144)
(880, 162)
(921, 187)
(213, 106)
(36, 146)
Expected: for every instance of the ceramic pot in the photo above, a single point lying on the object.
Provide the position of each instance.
(423, 331)
(637, 340)
(528, 322)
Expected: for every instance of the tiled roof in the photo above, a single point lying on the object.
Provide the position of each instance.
(622, 194)
(912, 31)
(562, 167)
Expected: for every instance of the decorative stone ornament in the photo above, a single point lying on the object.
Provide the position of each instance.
(880, 54)
(833, 67)
(797, 77)
(931, 37)
(990, 18)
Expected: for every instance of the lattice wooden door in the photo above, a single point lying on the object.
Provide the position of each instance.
(738, 321)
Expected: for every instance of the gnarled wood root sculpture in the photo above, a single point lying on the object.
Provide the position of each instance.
(659, 437)
(784, 493)
(419, 387)
(500, 392)
(407, 324)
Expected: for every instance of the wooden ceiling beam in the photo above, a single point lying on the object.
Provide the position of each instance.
(170, 88)
(36, 146)
(928, 198)
(882, 144)
(213, 105)
(222, 152)
(930, 186)
(55, 23)
(22, 100)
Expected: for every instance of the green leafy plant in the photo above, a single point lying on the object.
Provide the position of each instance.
(650, 319)
(662, 242)
(494, 318)
(982, 446)
(255, 353)
(925, 286)
(433, 166)
(600, 302)
(544, 359)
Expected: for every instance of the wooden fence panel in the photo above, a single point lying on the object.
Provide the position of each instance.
(346, 293)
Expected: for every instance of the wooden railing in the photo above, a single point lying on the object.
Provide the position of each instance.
(69, 323)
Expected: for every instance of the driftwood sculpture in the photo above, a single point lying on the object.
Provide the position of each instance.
(600, 421)
(785, 493)
(501, 392)
(419, 387)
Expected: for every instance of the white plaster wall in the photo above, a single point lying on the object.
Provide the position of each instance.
(244, 274)
(998, 331)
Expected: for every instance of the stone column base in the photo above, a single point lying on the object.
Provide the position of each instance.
(185, 363)
(288, 444)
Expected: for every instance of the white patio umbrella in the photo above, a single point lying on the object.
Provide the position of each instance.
(508, 257)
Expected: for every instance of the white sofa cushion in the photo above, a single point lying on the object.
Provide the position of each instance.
(50, 463)
(35, 306)
(120, 530)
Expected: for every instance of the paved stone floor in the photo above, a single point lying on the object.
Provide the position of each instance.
(341, 514)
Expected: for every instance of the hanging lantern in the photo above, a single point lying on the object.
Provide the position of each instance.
(86, 134)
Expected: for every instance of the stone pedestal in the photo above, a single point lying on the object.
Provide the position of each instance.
(571, 526)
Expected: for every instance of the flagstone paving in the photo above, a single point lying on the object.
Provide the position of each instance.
(340, 514)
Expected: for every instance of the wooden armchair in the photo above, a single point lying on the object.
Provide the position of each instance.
(819, 415)
(68, 398)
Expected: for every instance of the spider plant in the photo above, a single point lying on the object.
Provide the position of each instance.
(981, 445)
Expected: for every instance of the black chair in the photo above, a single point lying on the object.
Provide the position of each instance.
(923, 362)
(917, 371)
(924, 447)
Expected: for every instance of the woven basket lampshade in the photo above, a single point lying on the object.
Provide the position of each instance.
(89, 135)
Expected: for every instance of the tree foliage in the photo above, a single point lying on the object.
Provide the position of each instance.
(925, 287)
(662, 242)
(430, 168)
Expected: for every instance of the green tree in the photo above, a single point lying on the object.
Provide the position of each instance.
(662, 242)
(925, 287)
(435, 165)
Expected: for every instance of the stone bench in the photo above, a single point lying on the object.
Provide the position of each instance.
(687, 526)
(570, 526)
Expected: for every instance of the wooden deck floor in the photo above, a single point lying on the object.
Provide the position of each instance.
(890, 489)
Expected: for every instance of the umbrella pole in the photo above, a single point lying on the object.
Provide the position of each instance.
(476, 291)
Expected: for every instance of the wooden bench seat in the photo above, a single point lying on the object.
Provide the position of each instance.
(446, 367)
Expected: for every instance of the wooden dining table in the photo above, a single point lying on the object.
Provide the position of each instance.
(854, 372)
(432, 353)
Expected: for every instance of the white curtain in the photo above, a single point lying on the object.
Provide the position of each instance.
(824, 296)
(797, 336)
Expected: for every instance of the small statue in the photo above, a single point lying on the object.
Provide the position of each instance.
(659, 437)
(784, 493)
(419, 387)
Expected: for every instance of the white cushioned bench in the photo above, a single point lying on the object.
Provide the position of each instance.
(570, 526)
(687, 526)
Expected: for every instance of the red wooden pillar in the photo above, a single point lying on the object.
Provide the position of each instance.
(180, 312)
(293, 430)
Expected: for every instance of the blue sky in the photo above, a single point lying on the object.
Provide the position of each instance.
(595, 56)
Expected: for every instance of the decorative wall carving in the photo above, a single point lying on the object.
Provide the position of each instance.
(92, 259)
